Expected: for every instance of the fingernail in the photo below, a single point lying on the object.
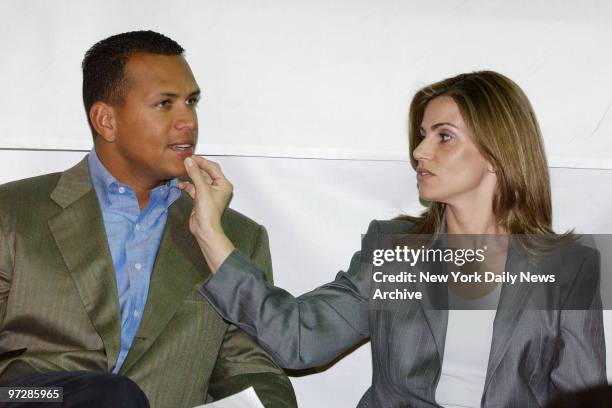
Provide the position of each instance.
(189, 161)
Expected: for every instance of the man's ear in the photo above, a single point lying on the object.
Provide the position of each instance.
(102, 117)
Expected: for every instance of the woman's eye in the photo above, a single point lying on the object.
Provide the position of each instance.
(445, 137)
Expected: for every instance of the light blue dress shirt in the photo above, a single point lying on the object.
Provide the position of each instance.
(133, 238)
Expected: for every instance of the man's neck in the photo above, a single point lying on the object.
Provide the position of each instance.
(140, 184)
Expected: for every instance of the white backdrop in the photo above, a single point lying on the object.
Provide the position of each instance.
(318, 78)
(323, 80)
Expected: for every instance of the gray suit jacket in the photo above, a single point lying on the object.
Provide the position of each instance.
(534, 355)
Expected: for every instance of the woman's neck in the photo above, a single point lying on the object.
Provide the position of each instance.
(472, 220)
(477, 228)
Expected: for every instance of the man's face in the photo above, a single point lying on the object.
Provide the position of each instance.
(156, 126)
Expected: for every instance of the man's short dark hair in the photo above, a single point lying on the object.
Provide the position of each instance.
(103, 66)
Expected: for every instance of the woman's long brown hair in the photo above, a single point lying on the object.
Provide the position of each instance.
(505, 130)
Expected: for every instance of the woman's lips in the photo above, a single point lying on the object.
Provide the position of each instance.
(423, 174)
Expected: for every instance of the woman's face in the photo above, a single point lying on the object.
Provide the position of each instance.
(450, 169)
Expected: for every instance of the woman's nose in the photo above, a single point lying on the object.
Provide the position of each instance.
(423, 151)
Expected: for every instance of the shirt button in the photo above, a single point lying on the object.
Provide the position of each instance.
(121, 190)
(136, 314)
(138, 227)
(138, 265)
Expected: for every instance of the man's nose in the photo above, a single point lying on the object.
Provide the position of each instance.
(187, 119)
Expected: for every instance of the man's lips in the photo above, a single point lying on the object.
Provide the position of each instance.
(181, 147)
(182, 150)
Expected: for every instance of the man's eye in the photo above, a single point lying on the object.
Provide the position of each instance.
(163, 104)
(193, 101)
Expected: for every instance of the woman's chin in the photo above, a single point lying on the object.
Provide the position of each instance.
(427, 199)
(424, 196)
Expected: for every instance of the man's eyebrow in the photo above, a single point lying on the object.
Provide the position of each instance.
(197, 92)
(437, 125)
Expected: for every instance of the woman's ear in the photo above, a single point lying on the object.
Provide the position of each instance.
(490, 167)
(102, 117)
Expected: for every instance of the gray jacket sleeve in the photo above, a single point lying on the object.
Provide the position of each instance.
(582, 357)
(299, 332)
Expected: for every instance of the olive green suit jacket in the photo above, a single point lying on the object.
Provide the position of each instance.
(60, 311)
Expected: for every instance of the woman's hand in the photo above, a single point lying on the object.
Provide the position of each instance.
(211, 192)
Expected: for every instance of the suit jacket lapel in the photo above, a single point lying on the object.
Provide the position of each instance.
(512, 303)
(79, 233)
(435, 300)
(435, 306)
(179, 269)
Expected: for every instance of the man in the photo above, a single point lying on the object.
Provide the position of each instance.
(98, 270)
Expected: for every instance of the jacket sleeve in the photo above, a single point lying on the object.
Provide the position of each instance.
(582, 355)
(299, 332)
(242, 362)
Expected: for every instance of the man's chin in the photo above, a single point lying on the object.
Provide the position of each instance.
(175, 172)
(181, 175)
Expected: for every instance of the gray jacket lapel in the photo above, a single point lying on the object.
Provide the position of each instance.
(512, 303)
(434, 306)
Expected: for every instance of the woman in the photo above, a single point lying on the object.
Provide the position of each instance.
(477, 150)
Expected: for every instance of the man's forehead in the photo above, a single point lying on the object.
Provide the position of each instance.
(155, 69)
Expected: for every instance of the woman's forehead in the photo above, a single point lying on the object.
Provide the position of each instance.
(442, 110)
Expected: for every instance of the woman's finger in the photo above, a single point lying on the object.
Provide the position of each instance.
(188, 188)
(196, 174)
(209, 167)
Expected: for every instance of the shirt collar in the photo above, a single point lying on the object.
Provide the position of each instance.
(101, 179)
(166, 193)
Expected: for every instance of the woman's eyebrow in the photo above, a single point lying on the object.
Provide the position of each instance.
(437, 125)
